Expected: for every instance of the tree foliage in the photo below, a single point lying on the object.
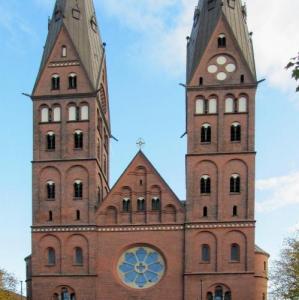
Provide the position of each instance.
(293, 65)
(285, 272)
(8, 286)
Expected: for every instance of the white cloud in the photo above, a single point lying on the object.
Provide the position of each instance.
(164, 24)
(278, 192)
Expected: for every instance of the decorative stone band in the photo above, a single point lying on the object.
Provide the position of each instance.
(64, 64)
(41, 229)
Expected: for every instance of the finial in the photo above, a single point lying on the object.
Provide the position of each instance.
(140, 143)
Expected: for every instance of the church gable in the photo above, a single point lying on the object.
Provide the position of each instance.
(140, 196)
(223, 61)
(63, 62)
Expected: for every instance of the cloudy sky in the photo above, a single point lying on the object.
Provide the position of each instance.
(146, 62)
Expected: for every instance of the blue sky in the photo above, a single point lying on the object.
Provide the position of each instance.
(146, 55)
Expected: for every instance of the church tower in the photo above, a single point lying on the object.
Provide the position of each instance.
(71, 150)
(220, 163)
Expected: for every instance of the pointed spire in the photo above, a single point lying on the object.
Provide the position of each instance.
(79, 19)
(206, 17)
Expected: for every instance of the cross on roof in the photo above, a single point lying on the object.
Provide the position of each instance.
(140, 143)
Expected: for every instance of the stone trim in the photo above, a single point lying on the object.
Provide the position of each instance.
(138, 228)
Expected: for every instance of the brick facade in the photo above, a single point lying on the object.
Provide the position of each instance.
(81, 228)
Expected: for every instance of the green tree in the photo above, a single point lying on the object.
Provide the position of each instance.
(285, 272)
(293, 65)
(8, 286)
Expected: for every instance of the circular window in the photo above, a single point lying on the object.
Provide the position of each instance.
(221, 76)
(212, 69)
(230, 68)
(221, 60)
(141, 267)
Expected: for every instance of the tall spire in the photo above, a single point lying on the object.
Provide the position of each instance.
(79, 19)
(206, 17)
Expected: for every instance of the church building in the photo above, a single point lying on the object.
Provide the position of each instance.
(137, 240)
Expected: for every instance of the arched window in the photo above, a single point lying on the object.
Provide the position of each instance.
(72, 81)
(55, 82)
(78, 189)
(228, 296)
(126, 205)
(50, 216)
(205, 185)
(235, 211)
(201, 81)
(73, 113)
(78, 256)
(205, 253)
(51, 190)
(51, 257)
(218, 293)
(205, 211)
(78, 139)
(56, 114)
(212, 106)
(156, 204)
(221, 41)
(236, 132)
(235, 252)
(141, 204)
(45, 115)
(78, 215)
(206, 133)
(235, 183)
(229, 105)
(200, 106)
(84, 113)
(65, 295)
(50, 140)
(209, 296)
(242, 104)
(63, 51)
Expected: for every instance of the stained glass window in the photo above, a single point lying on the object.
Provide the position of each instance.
(141, 267)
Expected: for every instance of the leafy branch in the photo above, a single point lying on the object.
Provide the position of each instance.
(293, 65)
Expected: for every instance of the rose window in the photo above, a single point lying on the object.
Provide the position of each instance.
(222, 66)
(141, 267)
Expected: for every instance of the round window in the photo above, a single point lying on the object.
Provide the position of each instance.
(141, 267)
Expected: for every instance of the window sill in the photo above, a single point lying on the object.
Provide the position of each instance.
(206, 194)
(235, 193)
(50, 150)
(211, 114)
(205, 143)
(236, 142)
(205, 262)
(78, 149)
(235, 113)
(52, 122)
(50, 265)
(77, 121)
(77, 198)
(51, 199)
(234, 262)
(78, 265)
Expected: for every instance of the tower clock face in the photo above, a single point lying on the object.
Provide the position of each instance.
(222, 66)
(141, 267)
